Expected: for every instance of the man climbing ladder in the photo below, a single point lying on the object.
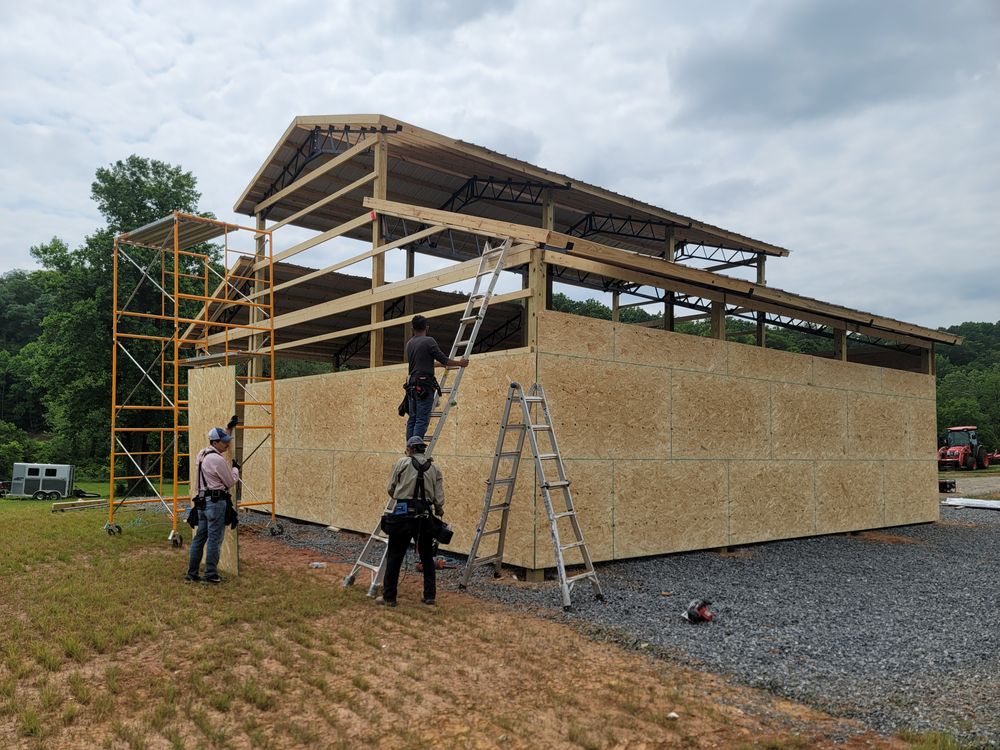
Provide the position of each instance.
(491, 263)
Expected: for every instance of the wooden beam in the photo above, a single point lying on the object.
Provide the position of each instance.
(615, 308)
(471, 224)
(347, 226)
(411, 262)
(436, 313)
(516, 256)
(357, 148)
(927, 364)
(376, 344)
(358, 183)
(840, 344)
(719, 320)
(360, 257)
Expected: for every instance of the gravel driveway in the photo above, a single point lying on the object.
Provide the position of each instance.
(899, 629)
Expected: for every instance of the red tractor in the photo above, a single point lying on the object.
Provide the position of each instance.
(962, 450)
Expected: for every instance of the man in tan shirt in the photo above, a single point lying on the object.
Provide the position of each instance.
(417, 487)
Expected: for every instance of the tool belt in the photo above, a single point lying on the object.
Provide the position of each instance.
(422, 386)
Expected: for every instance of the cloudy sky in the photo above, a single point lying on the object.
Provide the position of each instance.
(864, 135)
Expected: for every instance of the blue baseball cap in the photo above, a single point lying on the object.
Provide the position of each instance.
(217, 434)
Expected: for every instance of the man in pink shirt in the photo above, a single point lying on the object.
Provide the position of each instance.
(212, 482)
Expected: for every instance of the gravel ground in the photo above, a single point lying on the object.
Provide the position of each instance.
(899, 629)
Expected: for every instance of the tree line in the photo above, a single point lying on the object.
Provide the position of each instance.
(56, 333)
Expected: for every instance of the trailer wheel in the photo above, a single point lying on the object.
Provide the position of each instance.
(54, 495)
(39, 495)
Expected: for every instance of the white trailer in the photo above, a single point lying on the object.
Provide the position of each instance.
(42, 481)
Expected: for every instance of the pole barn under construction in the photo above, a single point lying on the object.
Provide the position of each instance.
(672, 441)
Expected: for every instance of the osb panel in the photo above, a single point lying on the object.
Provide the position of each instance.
(465, 486)
(607, 409)
(769, 364)
(482, 396)
(770, 500)
(911, 492)
(591, 483)
(808, 422)
(305, 484)
(359, 496)
(564, 333)
(650, 346)
(715, 416)
(920, 439)
(211, 402)
(878, 426)
(669, 506)
(331, 409)
(848, 496)
(288, 411)
(902, 383)
(851, 376)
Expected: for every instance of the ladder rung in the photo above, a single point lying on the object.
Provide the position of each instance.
(445, 390)
(470, 319)
(541, 427)
(477, 296)
(486, 560)
(556, 516)
(500, 481)
(463, 343)
(547, 456)
(557, 483)
(533, 399)
(436, 413)
(510, 454)
(491, 532)
(581, 576)
(501, 506)
(574, 545)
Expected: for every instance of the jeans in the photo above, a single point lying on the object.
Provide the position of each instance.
(420, 415)
(398, 543)
(211, 527)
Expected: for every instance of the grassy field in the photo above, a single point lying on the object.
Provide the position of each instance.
(102, 645)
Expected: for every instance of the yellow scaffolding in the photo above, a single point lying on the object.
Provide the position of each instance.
(177, 281)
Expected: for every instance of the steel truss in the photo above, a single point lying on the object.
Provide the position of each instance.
(503, 191)
(328, 141)
(170, 287)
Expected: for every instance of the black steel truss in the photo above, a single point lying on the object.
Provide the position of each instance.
(331, 140)
(359, 341)
(493, 189)
(499, 334)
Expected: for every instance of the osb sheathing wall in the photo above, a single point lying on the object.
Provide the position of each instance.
(672, 442)
(338, 435)
(211, 403)
(677, 442)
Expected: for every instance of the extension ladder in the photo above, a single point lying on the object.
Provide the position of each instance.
(535, 423)
(490, 265)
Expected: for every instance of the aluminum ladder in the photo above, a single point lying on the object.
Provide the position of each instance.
(490, 265)
(535, 423)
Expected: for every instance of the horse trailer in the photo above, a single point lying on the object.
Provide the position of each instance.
(42, 481)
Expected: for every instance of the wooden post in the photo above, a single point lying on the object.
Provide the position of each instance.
(376, 343)
(927, 360)
(539, 279)
(668, 303)
(718, 320)
(254, 366)
(615, 312)
(840, 344)
(411, 257)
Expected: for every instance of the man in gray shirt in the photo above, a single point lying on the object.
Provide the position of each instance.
(421, 385)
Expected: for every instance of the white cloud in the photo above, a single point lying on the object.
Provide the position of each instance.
(864, 141)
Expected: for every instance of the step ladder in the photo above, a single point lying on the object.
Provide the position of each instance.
(536, 425)
(373, 554)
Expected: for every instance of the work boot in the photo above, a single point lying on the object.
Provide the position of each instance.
(214, 578)
(385, 602)
(425, 600)
(192, 578)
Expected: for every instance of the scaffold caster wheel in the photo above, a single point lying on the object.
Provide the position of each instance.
(461, 586)
(177, 540)
(567, 608)
(118, 529)
(110, 529)
(348, 581)
(277, 530)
